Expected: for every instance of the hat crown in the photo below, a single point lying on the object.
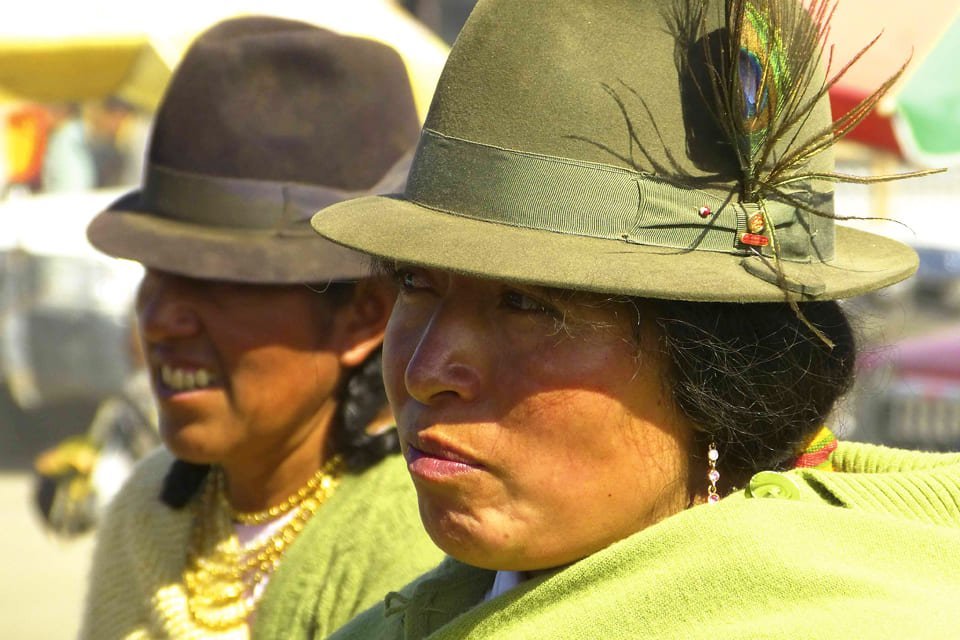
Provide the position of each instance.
(278, 100)
(547, 78)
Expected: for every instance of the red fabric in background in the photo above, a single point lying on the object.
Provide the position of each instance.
(875, 130)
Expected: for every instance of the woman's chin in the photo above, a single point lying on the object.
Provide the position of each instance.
(482, 542)
(188, 443)
(476, 554)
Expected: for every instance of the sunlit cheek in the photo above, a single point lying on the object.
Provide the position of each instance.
(593, 461)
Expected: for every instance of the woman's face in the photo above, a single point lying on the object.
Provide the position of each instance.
(243, 374)
(534, 432)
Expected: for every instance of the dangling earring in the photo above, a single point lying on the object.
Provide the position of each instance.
(712, 475)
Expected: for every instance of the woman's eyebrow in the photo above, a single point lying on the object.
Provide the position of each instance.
(549, 294)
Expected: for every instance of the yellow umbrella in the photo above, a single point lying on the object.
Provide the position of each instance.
(52, 51)
(78, 69)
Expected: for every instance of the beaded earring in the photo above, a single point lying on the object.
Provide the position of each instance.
(712, 475)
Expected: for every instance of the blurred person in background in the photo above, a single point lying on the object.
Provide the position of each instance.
(68, 160)
(279, 506)
(119, 134)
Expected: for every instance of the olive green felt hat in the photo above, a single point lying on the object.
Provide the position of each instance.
(672, 149)
(265, 121)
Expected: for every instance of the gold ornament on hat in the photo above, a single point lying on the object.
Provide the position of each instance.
(222, 576)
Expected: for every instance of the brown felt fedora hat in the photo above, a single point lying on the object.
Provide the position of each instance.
(674, 149)
(264, 121)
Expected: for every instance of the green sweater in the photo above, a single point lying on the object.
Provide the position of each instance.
(870, 551)
(366, 539)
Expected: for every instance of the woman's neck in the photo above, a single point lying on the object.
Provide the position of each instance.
(270, 474)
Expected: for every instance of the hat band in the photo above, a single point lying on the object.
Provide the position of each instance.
(576, 197)
(239, 203)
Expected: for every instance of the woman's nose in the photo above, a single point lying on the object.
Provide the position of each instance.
(164, 307)
(451, 358)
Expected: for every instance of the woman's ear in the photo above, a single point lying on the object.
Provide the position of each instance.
(363, 320)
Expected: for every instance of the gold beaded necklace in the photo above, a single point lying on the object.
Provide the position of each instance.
(221, 576)
(321, 479)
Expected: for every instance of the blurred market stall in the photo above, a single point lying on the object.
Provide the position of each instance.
(52, 50)
(115, 59)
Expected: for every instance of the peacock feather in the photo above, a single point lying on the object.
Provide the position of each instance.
(763, 75)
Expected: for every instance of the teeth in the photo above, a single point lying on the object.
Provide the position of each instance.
(185, 379)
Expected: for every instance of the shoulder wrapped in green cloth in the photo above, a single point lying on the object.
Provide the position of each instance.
(869, 551)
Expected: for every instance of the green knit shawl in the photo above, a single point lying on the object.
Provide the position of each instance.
(366, 540)
(870, 551)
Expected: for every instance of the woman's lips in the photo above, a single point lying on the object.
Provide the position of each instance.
(437, 465)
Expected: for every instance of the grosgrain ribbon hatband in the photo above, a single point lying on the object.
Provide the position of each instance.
(570, 196)
(239, 203)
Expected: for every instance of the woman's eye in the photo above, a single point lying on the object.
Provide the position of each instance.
(410, 280)
(519, 301)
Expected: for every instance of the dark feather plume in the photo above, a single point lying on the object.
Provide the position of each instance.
(765, 75)
(765, 79)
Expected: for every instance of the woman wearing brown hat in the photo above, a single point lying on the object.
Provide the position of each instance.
(617, 341)
(279, 505)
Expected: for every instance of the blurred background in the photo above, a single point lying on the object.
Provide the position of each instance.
(78, 85)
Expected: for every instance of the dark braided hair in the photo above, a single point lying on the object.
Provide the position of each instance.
(362, 398)
(753, 377)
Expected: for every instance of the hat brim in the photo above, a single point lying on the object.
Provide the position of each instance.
(393, 228)
(253, 256)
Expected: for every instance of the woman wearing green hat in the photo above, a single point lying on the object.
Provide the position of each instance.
(279, 506)
(617, 340)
